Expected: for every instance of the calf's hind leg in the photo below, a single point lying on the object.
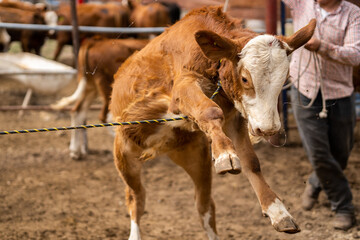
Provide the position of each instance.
(195, 159)
(104, 88)
(78, 143)
(129, 168)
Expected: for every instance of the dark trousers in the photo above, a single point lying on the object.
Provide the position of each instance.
(328, 143)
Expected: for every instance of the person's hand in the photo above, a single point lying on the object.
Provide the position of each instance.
(313, 44)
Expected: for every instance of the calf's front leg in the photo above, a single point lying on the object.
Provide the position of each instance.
(271, 205)
(189, 99)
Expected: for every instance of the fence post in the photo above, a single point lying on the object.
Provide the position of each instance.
(271, 16)
(75, 31)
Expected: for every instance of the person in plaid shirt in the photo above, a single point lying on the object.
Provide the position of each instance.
(321, 73)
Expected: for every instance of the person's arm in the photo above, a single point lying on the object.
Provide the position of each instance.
(349, 53)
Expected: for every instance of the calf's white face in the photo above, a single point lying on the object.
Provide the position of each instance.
(263, 69)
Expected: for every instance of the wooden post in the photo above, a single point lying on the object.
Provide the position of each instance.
(25, 101)
(226, 4)
(75, 31)
(271, 16)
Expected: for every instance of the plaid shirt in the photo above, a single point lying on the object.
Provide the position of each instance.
(339, 50)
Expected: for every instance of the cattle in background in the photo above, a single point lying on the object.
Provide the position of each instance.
(4, 39)
(30, 40)
(98, 61)
(153, 14)
(89, 14)
(175, 75)
(50, 17)
(28, 6)
(173, 10)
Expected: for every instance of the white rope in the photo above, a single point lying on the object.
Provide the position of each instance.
(323, 113)
(318, 79)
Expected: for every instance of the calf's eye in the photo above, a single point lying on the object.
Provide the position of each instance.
(244, 80)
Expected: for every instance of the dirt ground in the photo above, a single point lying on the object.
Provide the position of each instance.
(46, 195)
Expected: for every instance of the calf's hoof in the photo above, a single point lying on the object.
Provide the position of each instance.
(75, 156)
(287, 225)
(227, 163)
(280, 218)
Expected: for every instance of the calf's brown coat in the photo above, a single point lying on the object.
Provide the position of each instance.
(176, 74)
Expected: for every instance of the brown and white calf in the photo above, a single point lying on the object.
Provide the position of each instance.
(174, 75)
(49, 16)
(98, 61)
(30, 40)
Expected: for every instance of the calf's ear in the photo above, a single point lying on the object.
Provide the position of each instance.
(216, 47)
(300, 37)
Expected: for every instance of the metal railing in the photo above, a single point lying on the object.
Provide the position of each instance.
(40, 27)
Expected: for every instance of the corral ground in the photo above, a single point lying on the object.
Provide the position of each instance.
(46, 195)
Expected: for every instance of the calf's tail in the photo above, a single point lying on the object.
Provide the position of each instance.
(79, 93)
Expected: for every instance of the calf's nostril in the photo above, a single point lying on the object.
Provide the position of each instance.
(258, 132)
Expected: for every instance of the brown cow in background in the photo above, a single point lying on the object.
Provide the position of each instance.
(116, 14)
(30, 40)
(98, 61)
(150, 15)
(154, 14)
(28, 6)
(90, 14)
